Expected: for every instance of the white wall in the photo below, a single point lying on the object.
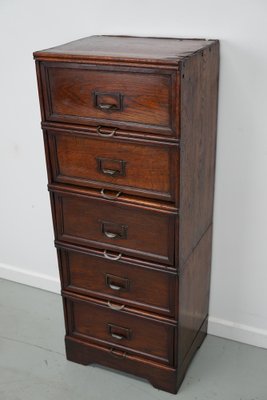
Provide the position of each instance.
(238, 293)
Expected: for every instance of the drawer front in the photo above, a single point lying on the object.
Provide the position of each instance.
(135, 98)
(142, 169)
(120, 280)
(121, 330)
(128, 229)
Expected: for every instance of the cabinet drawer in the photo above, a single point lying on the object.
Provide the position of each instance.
(121, 330)
(132, 98)
(136, 168)
(121, 280)
(142, 232)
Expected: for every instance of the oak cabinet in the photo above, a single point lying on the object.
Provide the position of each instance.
(129, 127)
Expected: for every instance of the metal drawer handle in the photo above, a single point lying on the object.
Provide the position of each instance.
(113, 230)
(115, 307)
(109, 197)
(110, 171)
(114, 287)
(111, 235)
(117, 283)
(115, 336)
(108, 101)
(117, 355)
(105, 134)
(109, 257)
(107, 106)
(119, 332)
(111, 167)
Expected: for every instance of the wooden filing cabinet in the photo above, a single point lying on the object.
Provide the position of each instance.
(129, 128)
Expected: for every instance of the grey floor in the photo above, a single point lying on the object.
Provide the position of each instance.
(33, 364)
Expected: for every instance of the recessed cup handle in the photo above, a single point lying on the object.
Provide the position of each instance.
(117, 283)
(111, 167)
(114, 287)
(107, 106)
(111, 172)
(113, 230)
(111, 235)
(119, 332)
(115, 336)
(108, 101)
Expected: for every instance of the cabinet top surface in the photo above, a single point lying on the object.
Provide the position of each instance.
(165, 50)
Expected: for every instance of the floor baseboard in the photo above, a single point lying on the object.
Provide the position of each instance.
(238, 332)
(30, 278)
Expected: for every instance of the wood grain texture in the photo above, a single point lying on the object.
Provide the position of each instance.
(161, 376)
(150, 338)
(92, 222)
(199, 94)
(156, 102)
(92, 274)
(151, 169)
(194, 287)
(148, 96)
(121, 133)
(125, 49)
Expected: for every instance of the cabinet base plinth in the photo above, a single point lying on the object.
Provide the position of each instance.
(161, 377)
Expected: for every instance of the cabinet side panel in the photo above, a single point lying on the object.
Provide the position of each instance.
(194, 287)
(199, 91)
(40, 89)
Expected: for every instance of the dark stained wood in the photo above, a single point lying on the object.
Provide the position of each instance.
(122, 228)
(199, 88)
(121, 133)
(195, 345)
(121, 280)
(156, 102)
(122, 198)
(87, 94)
(161, 376)
(150, 168)
(125, 49)
(194, 284)
(153, 265)
(120, 330)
